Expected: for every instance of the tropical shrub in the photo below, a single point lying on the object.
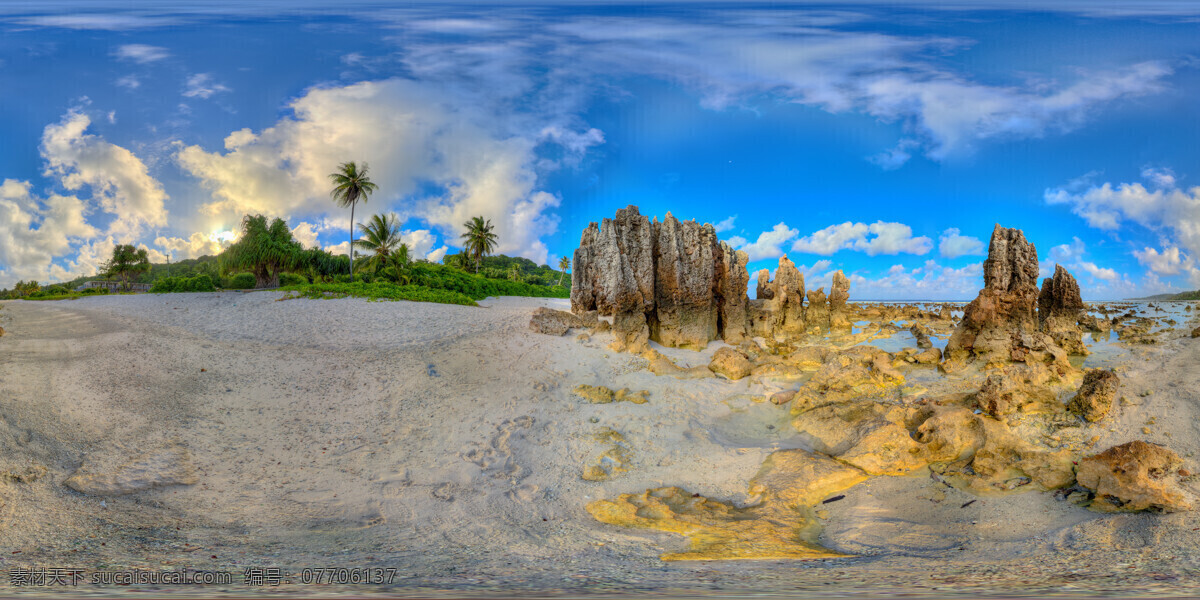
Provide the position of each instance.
(199, 283)
(286, 279)
(264, 250)
(378, 291)
(241, 281)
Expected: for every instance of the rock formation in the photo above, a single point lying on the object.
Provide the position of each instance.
(557, 322)
(778, 312)
(1132, 477)
(1060, 308)
(675, 283)
(614, 274)
(839, 292)
(1001, 324)
(1095, 397)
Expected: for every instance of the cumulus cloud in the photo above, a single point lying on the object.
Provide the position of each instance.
(1158, 203)
(769, 243)
(202, 85)
(119, 181)
(141, 53)
(34, 231)
(1170, 261)
(725, 224)
(414, 138)
(877, 238)
(930, 281)
(306, 233)
(196, 245)
(952, 244)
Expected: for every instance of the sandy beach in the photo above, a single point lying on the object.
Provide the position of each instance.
(445, 441)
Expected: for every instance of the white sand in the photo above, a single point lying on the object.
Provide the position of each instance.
(445, 441)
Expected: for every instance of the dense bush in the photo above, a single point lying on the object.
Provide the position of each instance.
(94, 291)
(477, 287)
(286, 279)
(378, 291)
(199, 283)
(242, 281)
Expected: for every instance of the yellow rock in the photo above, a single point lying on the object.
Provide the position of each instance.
(612, 462)
(598, 394)
(798, 478)
(715, 530)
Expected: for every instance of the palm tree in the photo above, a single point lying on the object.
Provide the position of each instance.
(564, 263)
(351, 184)
(480, 241)
(381, 239)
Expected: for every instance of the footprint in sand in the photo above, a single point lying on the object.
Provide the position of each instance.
(495, 458)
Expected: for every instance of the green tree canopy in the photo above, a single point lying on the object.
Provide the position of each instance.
(479, 241)
(381, 242)
(564, 263)
(263, 250)
(126, 263)
(351, 184)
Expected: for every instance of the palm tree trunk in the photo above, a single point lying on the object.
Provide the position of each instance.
(560, 276)
(352, 241)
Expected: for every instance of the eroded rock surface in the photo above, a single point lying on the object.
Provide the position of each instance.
(675, 283)
(1095, 397)
(558, 322)
(1134, 476)
(1060, 307)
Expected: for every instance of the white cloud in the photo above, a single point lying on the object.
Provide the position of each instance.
(341, 248)
(196, 245)
(725, 224)
(437, 255)
(930, 281)
(306, 234)
(141, 53)
(202, 85)
(409, 134)
(1159, 204)
(952, 244)
(831, 239)
(99, 21)
(34, 231)
(119, 181)
(1170, 261)
(888, 238)
(129, 82)
(1098, 272)
(769, 243)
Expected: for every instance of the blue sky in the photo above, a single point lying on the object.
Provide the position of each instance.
(883, 139)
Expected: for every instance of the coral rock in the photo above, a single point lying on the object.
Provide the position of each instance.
(730, 363)
(1095, 397)
(556, 322)
(1134, 476)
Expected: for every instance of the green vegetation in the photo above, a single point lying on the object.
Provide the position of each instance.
(476, 286)
(199, 283)
(263, 250)
(500, 267)
(564, 263)
(241, 281)
(126, 263)
(351, 184)
(381, 241)
(478, 240)
(378, 291)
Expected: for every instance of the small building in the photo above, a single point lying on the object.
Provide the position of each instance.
(113, 286)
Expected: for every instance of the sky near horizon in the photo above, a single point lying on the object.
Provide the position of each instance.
(882, 139)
